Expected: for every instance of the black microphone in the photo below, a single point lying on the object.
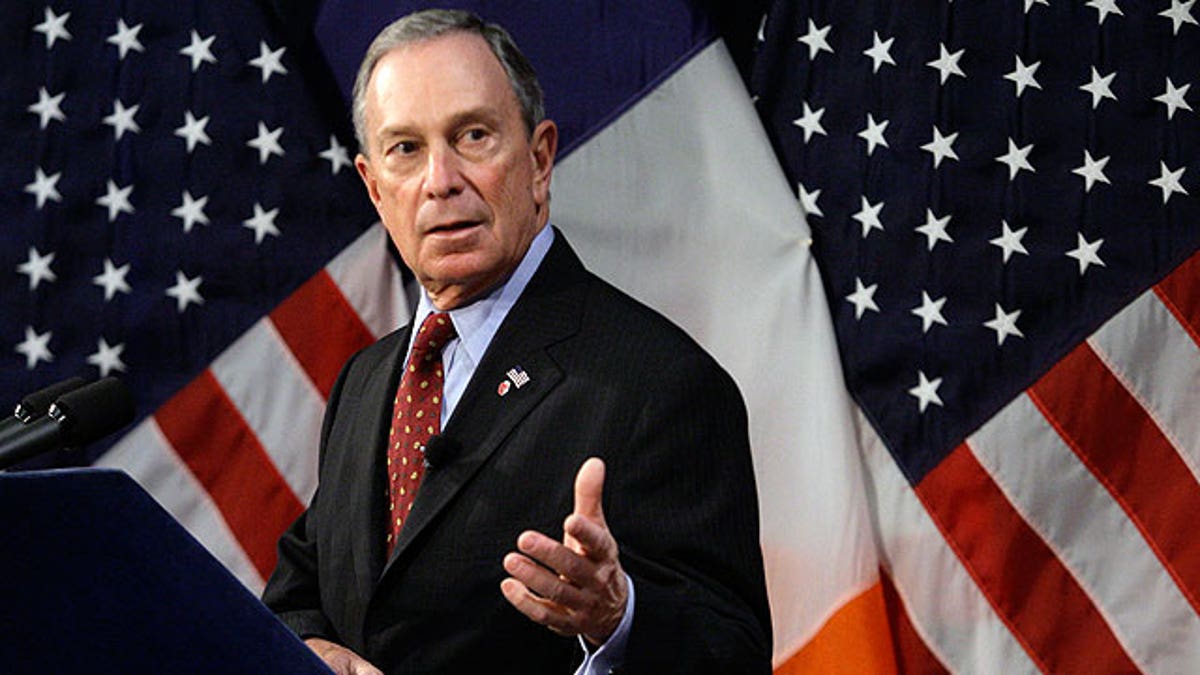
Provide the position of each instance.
(440, 451)
(74, 419)
(35, 405)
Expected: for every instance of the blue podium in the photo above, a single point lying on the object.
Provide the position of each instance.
(97, 578)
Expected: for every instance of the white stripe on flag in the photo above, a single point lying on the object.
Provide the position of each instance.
(371, 282)
(681, 202)
(947, 609)
(145, 454)
(1159, 363)
(1076, 516)
(278, 401)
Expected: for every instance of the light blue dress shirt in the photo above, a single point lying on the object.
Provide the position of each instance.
(476, 325)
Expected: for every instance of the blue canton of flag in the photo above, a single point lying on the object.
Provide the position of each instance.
(171, 172)
(986, 183)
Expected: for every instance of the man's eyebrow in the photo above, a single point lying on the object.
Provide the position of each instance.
(481, 113)
(485, 114)
(392, 131)
(476, 114)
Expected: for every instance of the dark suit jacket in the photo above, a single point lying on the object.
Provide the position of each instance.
(608, 377)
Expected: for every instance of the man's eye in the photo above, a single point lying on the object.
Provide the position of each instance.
(404, 148)
(476, 134)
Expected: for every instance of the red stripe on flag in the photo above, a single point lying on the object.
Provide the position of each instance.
(213, 439)
(1121, 444)
(321, 329)
(1028, 586)
(1180, 292)
(912, 654)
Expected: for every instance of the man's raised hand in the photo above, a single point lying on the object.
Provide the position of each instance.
(575, 587)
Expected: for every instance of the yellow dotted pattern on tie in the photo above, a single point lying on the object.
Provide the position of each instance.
(418, 396)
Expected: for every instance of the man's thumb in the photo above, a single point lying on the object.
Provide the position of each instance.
(589, 489)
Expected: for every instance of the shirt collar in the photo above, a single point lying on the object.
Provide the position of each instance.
(476, 323)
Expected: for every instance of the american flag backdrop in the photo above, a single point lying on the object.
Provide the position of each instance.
(180, 210)
(990, 205)
(1003, 204)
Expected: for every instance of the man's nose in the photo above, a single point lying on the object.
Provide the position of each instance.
(443, 173)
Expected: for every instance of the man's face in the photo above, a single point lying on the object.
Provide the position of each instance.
(460, 184)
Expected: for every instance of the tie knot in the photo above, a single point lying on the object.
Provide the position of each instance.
(434, 333)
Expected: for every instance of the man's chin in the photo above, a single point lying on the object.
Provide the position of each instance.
(458, 279)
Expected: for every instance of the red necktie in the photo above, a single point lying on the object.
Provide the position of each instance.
(417, 417)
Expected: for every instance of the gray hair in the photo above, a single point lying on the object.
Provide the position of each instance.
(432, 23)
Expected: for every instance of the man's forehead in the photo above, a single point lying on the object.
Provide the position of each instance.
(457, 50)
(447, 75)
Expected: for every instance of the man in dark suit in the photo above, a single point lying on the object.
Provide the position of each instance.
(541, 392)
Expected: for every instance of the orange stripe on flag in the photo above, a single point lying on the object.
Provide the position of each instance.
(321, 329)
(1104, 424)
(213, 439)
(870, 634)
(856, 639)
(1180, 292)
(1028, 586)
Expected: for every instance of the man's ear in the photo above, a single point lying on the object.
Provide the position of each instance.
(368, 177)
(543, 146)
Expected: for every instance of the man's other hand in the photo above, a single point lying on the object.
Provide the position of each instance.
(341, 660)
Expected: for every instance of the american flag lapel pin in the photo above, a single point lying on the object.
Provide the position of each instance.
(517, 377)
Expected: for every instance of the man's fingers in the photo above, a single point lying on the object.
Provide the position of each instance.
(538, 609)
(341, 660)
(556, 556)
(589, 489)
(593, 538)
(545, 583)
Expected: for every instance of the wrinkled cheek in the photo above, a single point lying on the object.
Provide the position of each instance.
(400, 230)
(459, 250)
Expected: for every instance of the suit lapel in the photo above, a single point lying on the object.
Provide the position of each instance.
(372, 423)
(547, 313)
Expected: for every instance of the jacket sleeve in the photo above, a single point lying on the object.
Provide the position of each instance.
(685, 514)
